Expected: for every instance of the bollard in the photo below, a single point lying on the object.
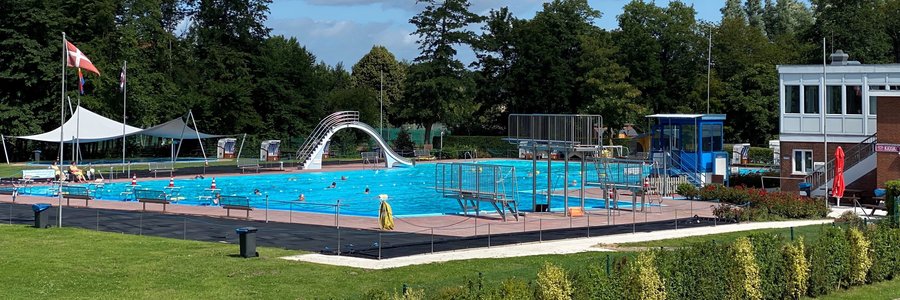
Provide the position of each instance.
(792, 233)
(607, 265)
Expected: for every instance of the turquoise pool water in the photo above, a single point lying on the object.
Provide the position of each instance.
(410, 189)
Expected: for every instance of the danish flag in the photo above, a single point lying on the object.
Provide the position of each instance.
(76, 59)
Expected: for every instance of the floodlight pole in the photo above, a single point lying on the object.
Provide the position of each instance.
(708, 68)
(62, 124)
(825, 116)
(124, 106)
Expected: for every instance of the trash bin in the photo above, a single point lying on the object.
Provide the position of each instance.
(541, 208)
(248, 241)
(37, 155)
(41, 215)
(806, 187)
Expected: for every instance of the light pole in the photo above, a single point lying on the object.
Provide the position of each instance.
(381, 100)
(708, 68)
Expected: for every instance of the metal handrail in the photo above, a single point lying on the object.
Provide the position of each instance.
(855, 155)
(680, 166)
(321, 130)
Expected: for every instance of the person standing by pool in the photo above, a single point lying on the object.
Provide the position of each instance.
(90, 172)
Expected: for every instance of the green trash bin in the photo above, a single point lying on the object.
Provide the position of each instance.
(247, 236)
(41, 215)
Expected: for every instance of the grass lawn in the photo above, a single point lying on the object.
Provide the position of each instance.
(68, 263)
(78, 263)
(809, 233)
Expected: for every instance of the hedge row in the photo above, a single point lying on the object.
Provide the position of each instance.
(486, 146)
(761, 266)
(741, 204)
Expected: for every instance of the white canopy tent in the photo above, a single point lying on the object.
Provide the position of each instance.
(87, 126)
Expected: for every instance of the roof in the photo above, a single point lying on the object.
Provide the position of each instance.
(709, 117)
(95, 128)
(849, 68)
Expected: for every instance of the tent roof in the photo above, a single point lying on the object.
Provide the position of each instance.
(95, 128)
(176, 129)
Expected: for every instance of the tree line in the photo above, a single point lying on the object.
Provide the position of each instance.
(217, 58)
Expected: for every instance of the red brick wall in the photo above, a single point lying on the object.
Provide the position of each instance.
(787, 161)
(888, 133)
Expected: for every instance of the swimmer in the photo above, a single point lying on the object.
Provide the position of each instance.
(367, 190)
(302, 198)
(343, 177)
(257, 192)
(198, 177)
(574, 182)
(333, 185)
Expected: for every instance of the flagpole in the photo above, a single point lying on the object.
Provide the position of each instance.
(124, 104)
(825, 125)
(62, 124)
(78, 120)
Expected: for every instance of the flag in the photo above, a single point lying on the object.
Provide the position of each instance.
(122, 79)
(80, 82)
(76, 59)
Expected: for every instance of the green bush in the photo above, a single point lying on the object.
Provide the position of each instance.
(514, 289)
(403, 142)
(892, 188)
(693, 272)
(486, 146)
(829, 261)
(687, 190)
(850, 218)
(744, 282)
(885, 257)
(860, 262)
(796, 270)
(768, 253)
(760, 155)
(552, 283)
(642, 281)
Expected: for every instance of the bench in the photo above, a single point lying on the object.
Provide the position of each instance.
(156, 168)
(874, 207)
(30, 176)
(12, 191)
(235, 202)
(76, 192)
(145, 196)
(244, 168)
(423, 155)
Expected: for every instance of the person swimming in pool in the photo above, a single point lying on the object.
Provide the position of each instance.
(343, 177)
(333, 185)
(198, 177)
(367, 190)
(257, 192)
(302, 198)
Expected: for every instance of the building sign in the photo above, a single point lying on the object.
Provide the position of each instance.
(895, 148)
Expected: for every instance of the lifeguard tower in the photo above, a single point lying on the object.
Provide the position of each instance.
(690, 145)
(225, 148)
(269, 150)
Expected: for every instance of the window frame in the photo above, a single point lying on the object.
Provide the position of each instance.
(807, 155)
(840, 100)
(787, 95)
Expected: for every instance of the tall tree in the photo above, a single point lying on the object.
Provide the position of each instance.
(606, 83)
(380, 69)
(755, 14)
(438, 87)
(732, 9)
(285, 88)
(842, 23)
(496, 52)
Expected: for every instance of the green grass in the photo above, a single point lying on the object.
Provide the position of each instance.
(809, 233)
(68, 263)
(881, 290)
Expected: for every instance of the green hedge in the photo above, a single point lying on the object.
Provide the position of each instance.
(760, 266)
(486, 146)
(747, 204)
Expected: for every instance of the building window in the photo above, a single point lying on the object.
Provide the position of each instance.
(854, 100)
(792, 99)
(712, 138)
(873, 105)
(803, 161)
(811, 99)
(689, 138)
(833, 99)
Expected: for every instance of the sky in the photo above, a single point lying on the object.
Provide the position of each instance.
(344, 30)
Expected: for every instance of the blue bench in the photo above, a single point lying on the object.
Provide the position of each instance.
(145, 196)
(77, 192)
(235, 202)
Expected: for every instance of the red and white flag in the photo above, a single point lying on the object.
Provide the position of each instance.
(122, 79)
(76, 59)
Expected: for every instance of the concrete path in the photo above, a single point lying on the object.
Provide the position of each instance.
(553, 247)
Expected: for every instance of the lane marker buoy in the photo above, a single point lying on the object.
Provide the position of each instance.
(172, 182)
(213, 185)
(134, 179)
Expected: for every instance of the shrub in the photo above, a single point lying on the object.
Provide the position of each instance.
(403, 143)
(760, 155)
(851, 218)
(860, 262)
(883, 251)
(796, 269)
(892, 188)
(687, 190)
(711, 192)
(744, 282)
(829, 261)
(730, 213)
(514, 289)
(643, 282)
(770, 261)
(552, 283)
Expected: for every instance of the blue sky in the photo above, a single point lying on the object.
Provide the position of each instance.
(345, 30)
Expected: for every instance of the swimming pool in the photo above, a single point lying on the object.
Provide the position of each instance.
(410, 190)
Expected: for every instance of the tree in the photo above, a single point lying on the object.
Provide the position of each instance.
(285, 87)
(368, 72)
(606, 83)
(438, 88)
(732, 10)
(495, 50)
(755, 14)
(841, 23)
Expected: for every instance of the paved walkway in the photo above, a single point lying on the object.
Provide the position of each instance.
(567, 246)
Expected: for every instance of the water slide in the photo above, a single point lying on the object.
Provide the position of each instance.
(342, 120)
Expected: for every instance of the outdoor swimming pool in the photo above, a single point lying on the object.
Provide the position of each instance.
(410, 189)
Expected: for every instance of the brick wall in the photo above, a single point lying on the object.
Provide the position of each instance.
(888, 167)
(787, 162)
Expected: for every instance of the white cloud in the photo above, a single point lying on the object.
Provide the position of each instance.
(347, 41)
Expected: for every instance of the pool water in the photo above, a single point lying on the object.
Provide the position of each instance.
(410, 190)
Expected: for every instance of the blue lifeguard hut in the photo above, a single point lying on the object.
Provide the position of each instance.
(690, 145)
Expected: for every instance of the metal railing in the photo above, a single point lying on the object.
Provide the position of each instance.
(686, 170)
(856, 154)
(305, 152)
(570, 130)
